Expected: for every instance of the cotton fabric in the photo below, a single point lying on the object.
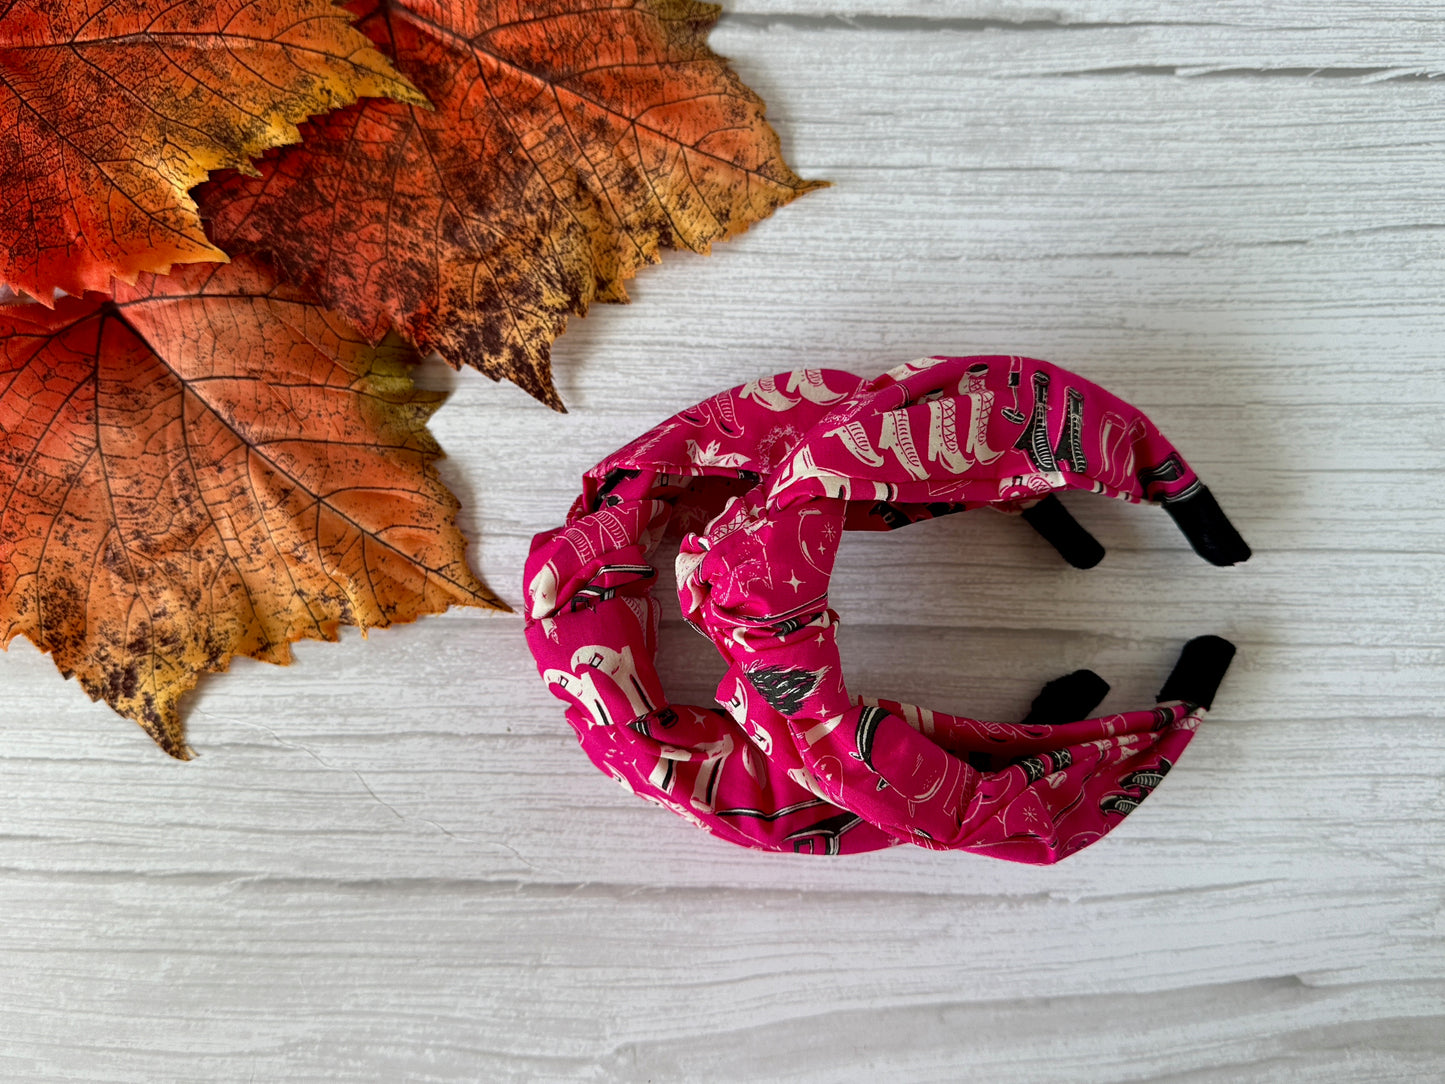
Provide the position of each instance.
(768, 475)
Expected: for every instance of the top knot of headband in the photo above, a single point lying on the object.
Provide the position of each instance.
(773, 471)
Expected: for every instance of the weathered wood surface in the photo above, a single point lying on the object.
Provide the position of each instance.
(391, 862)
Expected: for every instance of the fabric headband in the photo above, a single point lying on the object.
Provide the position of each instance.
(795, 764)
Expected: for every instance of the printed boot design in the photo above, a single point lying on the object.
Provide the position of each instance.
(1137, 786)
(1116, 445)
(603, 680)
(1035, 437)
(943, 436)
(704, 790)
(1070, 450)
(1012, 412)
(855, 439)
(982, 401)
(897, 436)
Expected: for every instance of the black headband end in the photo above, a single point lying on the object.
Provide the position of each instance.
(1201, 667)
(1068, 699)
(1061, 530)
(1208, 528)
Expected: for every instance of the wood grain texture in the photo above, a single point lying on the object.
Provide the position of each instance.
(390, 862)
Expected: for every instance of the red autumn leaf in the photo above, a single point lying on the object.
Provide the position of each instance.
(111, 110)
(571, 139)
(206, 467)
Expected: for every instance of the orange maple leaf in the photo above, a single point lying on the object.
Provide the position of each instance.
(570, 140)
(111, 110)
(204, 467)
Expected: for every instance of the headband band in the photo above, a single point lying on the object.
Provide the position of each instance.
(592, 623)
(769, 773)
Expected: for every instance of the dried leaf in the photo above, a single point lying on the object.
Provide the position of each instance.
(111, 110)
(207, 467)
(570, 140)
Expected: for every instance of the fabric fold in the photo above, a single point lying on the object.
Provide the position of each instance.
(765, 478)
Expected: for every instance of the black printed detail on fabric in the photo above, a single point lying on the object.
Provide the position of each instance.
(784, 687)
(1042, 764)
(594, 592)
(1137, 786)
(892, 516)
(828, 831)
(868, 720)
(1201, 667)
(793, 624)
(1035, 438)
(1069, 451)
(611, 481)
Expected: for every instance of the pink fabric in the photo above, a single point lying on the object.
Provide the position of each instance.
(775, 470)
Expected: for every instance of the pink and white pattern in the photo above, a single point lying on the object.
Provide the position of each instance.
(772, 472)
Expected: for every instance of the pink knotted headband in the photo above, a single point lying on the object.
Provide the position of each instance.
(795, 764)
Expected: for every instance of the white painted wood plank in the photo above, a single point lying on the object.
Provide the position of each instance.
(403, 978)
(391, 862)
(427, 784)
(1343, 21)
(1272, 1030)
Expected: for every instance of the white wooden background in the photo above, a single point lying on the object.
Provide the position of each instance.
(391, 862)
